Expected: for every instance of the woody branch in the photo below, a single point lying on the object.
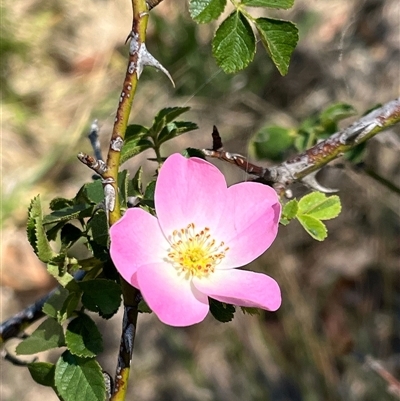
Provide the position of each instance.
(303, 167)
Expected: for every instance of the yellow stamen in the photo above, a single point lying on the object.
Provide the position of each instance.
(195, 253)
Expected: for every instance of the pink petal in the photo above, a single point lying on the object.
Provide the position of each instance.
(172, 298)
(251, 224)
(189, 191)
(242, 288)
(136, 239)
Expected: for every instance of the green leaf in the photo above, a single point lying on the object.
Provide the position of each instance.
(47, 336)
(205, 11)
(271, 142)
(164, 117)
(79, 379)
(280, 39)
(250, 311)
(234, 44)
(60, 203)
(36, 232)
(284, 221)
(55, 302)
(316, 228)
(290, 209)
(69, 235)
(284, 4)
(221, 311)
(174, 129)
(99, 227)
(102, 296)
(134, 147)
(57, 270)
(337, 112)
(319, 206)
(192, 152)
(83, 337)
(62, 304)
(68, 213)
(123, 182)
(150, 190)
(135, 185)
(134, 131)
(42, 373)
(143, 307)
(91, 193)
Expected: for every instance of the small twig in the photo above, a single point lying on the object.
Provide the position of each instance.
(97, 165)
(152, 3)
(94, 139)
(392, 382)
(304, 166)
(13, 327)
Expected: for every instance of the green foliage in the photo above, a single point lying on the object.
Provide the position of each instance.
(192, 152)
(272, 142)
(42, 373)
(205, 11)
(36, 232)
(164, 128)
(101, 296)
(234, 44)
(280, 39)
(143, 307)
(47, 336)
(316, 228)
(68, 213)
(98, 226)
(62, 304)
(275, 142)
(250, 311)
(91, 193)
(222, 312)
(319, 206)
(83, 337)
(79, 379)
(285, 4)
(135, 146)
(135, 185)
(310, 211)
(289, 211)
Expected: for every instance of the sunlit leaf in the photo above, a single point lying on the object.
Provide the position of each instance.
(285, 4)
(36, 232)
(320, 206)
(42, 373)
(234, 44)
(280, 39)
(79, 379)
(204, 11)
(134, 147)
(316, 228)
(290, 209)
(174, 129)
(48, 335)
(83, 337)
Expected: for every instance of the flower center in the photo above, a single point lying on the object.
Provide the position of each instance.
(195, 253)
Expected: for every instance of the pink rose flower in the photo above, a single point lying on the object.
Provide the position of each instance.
(203, 231)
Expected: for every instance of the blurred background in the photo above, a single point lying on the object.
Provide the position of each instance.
(62, 65)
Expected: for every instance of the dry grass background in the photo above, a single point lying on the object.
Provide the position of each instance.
(62, 65)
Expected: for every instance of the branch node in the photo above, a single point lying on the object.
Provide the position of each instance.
(98, 166)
